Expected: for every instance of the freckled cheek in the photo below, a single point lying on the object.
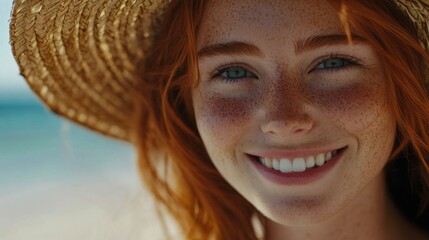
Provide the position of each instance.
(354, 108)
(222, 119)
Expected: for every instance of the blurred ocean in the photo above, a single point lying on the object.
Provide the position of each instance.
(61, 181)
(37, 146)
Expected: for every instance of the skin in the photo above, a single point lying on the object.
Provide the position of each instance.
(288, 102)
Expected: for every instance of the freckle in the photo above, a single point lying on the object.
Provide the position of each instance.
(228, 112)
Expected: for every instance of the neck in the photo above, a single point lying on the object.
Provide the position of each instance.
(371, 215)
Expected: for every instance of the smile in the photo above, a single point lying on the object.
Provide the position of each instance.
(296, 168)
(299, 164)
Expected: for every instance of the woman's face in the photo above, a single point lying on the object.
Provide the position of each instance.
(279, 82)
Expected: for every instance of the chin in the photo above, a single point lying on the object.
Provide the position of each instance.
(298, 212)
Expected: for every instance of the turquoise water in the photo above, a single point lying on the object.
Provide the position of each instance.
(36, 145)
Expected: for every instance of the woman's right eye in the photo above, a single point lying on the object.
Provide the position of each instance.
(233, 74)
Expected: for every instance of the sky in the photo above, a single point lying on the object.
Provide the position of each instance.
(10, 80)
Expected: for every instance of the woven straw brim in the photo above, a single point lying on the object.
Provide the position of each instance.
(418, 12)
(80, 56)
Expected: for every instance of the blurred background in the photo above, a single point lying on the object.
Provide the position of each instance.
(58, 180)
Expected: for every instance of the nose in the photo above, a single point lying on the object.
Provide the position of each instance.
(284, 128)
(286, 114)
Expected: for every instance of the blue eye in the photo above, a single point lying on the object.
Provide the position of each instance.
(233, 73)
(335, 63)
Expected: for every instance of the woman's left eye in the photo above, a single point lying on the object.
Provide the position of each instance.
(335, 63)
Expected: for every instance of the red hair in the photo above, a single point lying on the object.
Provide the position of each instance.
(173, 162)
(172, 159)
(405, 62)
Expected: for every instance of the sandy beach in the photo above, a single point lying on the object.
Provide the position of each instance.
(113, 206)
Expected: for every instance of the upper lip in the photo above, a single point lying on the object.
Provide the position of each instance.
(292, 153)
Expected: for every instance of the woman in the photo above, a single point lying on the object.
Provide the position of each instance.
(307, 117)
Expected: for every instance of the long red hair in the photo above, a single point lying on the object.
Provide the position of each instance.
(172, 159)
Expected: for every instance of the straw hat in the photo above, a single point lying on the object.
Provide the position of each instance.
(79, 56)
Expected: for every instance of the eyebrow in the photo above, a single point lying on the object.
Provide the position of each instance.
(326, 40)
(229, 48)
(243, 48)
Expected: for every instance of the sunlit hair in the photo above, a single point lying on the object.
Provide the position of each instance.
(173, 162)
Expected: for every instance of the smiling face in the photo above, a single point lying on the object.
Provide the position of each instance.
(279, 80)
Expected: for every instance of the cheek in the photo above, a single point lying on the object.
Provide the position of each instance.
(360, 111)
(356, 107)
(222, 120)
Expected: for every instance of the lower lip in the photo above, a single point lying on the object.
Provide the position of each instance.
(297, 178)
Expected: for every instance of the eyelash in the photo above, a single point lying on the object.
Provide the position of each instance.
(222, 69)
(349, 62)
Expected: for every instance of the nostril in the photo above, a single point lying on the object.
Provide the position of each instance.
(283, 128)
(299, 130)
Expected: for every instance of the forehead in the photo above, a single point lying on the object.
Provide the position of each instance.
(276, 20)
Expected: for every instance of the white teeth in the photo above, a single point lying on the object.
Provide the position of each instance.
(310, 162)
(320, 159)
(298, 165)
(328, 156)
(276, 164)
(285, 165)
(268, 162)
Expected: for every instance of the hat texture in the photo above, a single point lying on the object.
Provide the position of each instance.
(80, 56)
